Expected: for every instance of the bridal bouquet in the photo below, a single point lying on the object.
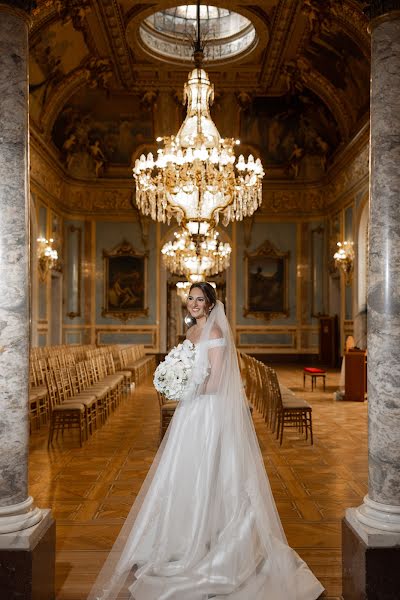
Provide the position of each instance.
(172, 375)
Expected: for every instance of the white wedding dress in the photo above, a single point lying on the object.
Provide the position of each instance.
(205, 524)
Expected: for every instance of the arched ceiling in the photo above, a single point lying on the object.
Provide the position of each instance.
(303, 84)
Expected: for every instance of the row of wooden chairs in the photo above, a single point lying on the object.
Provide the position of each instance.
(82, 396)
(278, 405)
(78, 386)
(135, 360)
(129, 357)
(78, 350)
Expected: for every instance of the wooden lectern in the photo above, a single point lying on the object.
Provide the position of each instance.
(355, 377)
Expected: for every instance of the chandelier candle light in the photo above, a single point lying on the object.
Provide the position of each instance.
(196, 256)
(196, 176)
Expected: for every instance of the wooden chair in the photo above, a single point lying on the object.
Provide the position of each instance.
(291, 411)
(127, 375)
(38, 396)
(64, 416)
(67, 396)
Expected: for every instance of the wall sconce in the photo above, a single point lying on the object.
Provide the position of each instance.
(344, 259)
(47, 257)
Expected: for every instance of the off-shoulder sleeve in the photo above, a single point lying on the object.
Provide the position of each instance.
(216, 356)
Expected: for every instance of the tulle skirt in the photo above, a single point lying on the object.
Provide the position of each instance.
(208, 525)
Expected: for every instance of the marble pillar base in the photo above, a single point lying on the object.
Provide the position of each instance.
(27, 562)
(370, 561)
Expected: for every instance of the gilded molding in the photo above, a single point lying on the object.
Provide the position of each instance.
(46, 177)
(110, 197)
(356, 23)
(117, 40)
(285, 14)
(293, 200)
(353, 176)
(97, 199)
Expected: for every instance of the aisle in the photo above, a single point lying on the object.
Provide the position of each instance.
(90, 490)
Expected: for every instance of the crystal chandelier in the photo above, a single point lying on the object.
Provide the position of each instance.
(196, 256)
(196, 176)
(344, 259)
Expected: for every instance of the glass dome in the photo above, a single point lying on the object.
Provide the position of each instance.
(170, 33)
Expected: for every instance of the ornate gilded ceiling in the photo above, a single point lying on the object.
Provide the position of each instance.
(296, 97)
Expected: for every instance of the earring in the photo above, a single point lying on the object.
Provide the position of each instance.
(189, 321)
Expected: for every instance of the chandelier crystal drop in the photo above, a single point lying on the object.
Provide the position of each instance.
(196, 257)
(196, 175)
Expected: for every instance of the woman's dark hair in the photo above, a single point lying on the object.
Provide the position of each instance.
(208, 291)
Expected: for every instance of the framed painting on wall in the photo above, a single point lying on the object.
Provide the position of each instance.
(266, 282)
(125, 283)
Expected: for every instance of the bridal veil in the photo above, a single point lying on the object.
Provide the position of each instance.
(205, 524)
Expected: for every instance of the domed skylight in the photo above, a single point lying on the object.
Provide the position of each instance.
(170, 33)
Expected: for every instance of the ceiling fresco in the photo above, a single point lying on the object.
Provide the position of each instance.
(296, 132)
(96, 130)
(298, 94)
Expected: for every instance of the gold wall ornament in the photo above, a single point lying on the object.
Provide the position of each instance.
(47, 256)
(344, 259)
(125, 283)
(266, 283)
(196, 176)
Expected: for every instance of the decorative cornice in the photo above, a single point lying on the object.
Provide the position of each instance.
(115, 29)
(356, 24)
(284, 16)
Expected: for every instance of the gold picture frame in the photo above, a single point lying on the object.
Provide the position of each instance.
(266, 283)
(125, 283)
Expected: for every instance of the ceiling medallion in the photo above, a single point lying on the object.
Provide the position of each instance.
(196, 176)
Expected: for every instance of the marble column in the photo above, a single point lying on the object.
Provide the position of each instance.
(371, 532)
(26, 532)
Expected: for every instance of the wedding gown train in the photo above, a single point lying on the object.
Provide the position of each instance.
(205, 524)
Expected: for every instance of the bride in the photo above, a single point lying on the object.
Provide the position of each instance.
(205, 524)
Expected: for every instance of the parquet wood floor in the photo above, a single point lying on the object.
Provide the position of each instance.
(91, 489)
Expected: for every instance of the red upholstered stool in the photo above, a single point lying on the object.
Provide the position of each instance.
(313, 372)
